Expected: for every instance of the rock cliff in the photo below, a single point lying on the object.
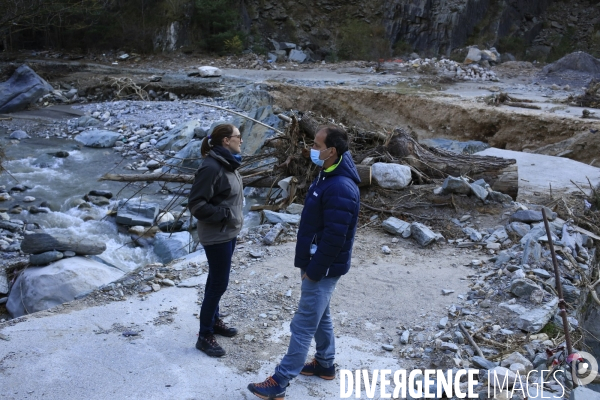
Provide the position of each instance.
(430, 26)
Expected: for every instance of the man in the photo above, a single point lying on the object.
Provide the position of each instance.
(323, 252)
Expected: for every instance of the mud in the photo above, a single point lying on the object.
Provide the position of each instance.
(440, 115)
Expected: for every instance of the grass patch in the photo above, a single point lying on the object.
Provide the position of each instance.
(551, 330)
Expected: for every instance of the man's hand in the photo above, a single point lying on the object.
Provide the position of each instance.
(306, 276)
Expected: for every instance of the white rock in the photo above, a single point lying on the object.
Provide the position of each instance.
(164, 217)
(391, 176)
(208, 72)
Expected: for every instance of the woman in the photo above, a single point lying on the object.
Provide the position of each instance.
(216, 200)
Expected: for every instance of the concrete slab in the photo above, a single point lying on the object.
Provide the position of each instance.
(537, 172)
(84, 354)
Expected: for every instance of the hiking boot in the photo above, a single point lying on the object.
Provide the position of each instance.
(209, 345)
(314, 368)
(268, 390)
(219, 328)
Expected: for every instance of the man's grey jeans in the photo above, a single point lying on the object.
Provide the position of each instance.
(312, 319)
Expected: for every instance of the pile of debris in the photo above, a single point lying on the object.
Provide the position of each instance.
(509, 324)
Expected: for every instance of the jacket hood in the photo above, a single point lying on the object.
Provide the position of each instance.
(346, 167)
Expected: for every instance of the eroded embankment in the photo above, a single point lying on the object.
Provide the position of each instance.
(449, 117)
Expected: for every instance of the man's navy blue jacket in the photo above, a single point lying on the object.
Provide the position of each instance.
(329, 221)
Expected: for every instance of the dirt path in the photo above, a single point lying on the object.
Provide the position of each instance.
(380, 296)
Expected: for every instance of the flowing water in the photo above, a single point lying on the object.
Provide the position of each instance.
(61, 182)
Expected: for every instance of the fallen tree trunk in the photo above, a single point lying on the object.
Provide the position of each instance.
(500, 173)
(156, 176)
(260, 181)
(250, 181)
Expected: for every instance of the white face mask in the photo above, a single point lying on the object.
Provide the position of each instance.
(314, 156)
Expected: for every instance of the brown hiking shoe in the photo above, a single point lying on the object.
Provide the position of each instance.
(219, 328)
(209, 345)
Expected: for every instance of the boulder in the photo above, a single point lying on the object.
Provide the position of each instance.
(276, 218)
(391, 176)
(571, 294)
(23, 88)
(45, 258)
(523, 287)
(98, 138)
(37, 243)
(86, 121)
(473, 234)
(254, 134)
(185, 132)
(102, 193)
(396, 226)
(250, 98)
(532, 252)
(499, 197)
(578, 61)
(14, 225)
(136, 213)
(456, 185)
(272, 235)
(518, 229)
(498, 375)
(423, 235)
(536, 232)
(170, 246)
(517, 357)
(481, 362)
(3, 281)
(534, 320)
(498, 236)
(295, 208)
(209, 72)
(19, 135)
(479, 191)
(527, 216)
(41, 288)
(186, 161)
(297, 56)
(474, 56)
(455, 146)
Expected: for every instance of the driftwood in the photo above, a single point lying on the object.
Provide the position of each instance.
(37, 243)
(162, 177)
(259, 180)
(504, 98)
(522, 105)
(500, 173)
(309, 125)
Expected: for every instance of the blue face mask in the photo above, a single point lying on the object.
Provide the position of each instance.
(238, 157)
(314, 156)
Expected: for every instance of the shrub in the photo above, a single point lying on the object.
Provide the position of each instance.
(234, 45)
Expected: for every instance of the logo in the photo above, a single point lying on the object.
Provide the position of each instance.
(584, 367)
